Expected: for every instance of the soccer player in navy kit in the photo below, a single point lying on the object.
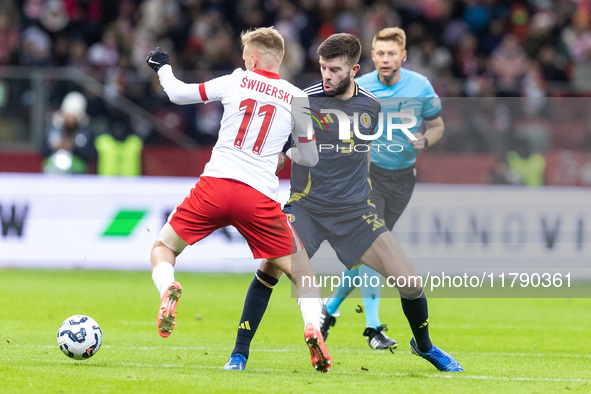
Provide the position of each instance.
(392, 173)
(331, 202)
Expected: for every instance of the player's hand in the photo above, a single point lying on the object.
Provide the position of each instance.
(157, 58)
(281, 162)
(419, 143)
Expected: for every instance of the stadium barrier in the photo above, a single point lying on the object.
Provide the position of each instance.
(92, 222)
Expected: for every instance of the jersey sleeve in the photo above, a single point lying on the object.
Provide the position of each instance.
(217, 88)
(431, 102)
(303, 149)
(180, 92)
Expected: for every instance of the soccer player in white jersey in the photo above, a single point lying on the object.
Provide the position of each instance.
(238, 186)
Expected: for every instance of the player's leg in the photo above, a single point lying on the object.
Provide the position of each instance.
(353, 232)
(298, 268)
(163, 257)
(255, 305)
(259, 292)
(370, 294)
(187, 224)
(333, 303)
(270, 235)
(387, 257)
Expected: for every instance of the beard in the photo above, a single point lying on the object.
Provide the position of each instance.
(341, 88)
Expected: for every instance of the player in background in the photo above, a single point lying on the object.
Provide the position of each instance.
(238, 186)
(331, 202)
(392, 173)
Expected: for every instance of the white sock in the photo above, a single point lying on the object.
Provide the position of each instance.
(311, 306)
(163, 275)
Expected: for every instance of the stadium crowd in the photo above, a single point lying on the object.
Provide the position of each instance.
(511, 47)
(532, 49)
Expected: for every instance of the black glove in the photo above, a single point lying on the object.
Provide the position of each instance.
(157, 58)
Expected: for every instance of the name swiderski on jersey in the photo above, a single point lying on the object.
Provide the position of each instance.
(265, 88)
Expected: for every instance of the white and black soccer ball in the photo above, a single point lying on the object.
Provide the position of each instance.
(79, 337)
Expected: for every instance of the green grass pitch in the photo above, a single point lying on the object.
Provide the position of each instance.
(504, 345)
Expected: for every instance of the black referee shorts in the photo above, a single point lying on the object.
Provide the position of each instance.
(391, 191)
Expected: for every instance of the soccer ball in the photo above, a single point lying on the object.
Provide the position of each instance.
(79, 337)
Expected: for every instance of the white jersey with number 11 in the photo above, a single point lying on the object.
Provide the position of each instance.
(256, 123)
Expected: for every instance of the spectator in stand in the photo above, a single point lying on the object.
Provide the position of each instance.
(294, 59)
(557, 35)
(35, 48)
(577, 38)
(68, 147)
(9, 31)
(501, 174)
(550, 61)
(119, 150)
(428, 58)
(539, 34)
(508, 64)
(530, 168)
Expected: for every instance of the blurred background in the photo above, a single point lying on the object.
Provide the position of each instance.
(507, 186)
(482, 52)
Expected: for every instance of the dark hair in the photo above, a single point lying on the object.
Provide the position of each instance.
(341, 45)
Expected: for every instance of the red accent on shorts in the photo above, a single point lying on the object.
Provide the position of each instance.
(202, 92)
(218, 202)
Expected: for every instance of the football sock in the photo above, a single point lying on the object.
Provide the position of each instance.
(255, 305)
(417, 313)
(371, 295)
(311, 306)
(163, 275)
(346, 287)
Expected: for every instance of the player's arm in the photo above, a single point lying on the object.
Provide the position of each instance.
(178, 92)
(304, 152)
(282, 159)
(431, 111)
(433, 133)
(303, 149)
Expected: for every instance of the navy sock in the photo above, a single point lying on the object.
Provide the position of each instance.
(255, 304)
(417, 314)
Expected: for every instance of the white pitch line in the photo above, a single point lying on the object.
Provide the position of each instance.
(398, 374)
(288, 350)
(532, 355)
(525, 379)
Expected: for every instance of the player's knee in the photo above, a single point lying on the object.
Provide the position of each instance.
(411, 293)
(168, 238)
(270, 269)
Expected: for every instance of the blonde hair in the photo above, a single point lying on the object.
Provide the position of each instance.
(395, 34)
(266, 40)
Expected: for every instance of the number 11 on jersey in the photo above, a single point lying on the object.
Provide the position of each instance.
(249, 107)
